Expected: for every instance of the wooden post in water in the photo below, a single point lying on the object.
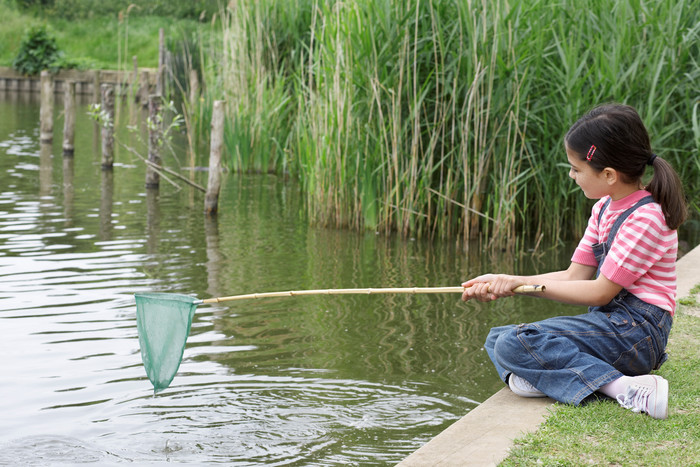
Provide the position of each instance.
(96, 86)
(107, 91)
(134, 85)
(160, 81)
(69, 120)
(144, 88)
(155, 137)
(46, 112)
(211, 199)
(190, 109)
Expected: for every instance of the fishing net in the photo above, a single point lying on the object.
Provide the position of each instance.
(163, 322)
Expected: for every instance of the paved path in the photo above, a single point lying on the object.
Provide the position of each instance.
(484, 436)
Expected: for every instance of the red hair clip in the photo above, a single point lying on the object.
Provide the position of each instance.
(591, 151)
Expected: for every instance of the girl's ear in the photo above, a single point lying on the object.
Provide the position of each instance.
(610, 175)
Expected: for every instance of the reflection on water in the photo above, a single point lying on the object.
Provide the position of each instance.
(106, 203)
(311, 381)
(68, 190)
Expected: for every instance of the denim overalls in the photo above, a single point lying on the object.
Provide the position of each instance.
(570, 357)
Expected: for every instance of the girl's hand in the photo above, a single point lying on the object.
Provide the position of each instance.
(491, 287)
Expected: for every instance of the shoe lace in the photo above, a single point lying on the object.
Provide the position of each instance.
(636, 399)
(524, 384)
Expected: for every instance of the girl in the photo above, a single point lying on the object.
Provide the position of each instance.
(623, 269)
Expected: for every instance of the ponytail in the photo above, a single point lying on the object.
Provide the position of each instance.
(666, 189)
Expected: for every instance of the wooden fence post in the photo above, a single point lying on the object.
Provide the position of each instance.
(134, 85)
(107, 91)
(160, 81)
(96, 86)
(211, 199)
(155, 137)
(144, 88)
(69, 120)
(46, 112)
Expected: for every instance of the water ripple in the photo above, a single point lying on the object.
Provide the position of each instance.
(355, 380)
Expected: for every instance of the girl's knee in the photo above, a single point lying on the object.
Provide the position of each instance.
(506, 346)
(494, 334)
(513, 348)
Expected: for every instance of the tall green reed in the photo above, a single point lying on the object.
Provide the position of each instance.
(446, 118)
(249, 74)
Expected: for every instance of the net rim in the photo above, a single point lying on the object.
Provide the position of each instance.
(165, 296)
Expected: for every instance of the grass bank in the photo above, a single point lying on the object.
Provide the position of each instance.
(602, 433)
(100, 42)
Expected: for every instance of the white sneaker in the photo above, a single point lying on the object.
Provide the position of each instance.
(523, 388)
(647, 394)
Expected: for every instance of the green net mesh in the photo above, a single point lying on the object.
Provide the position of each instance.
(163, 322)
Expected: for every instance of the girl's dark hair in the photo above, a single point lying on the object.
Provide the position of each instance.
(622, 143)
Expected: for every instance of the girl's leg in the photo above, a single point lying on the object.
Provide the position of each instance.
(553, 356)
(490, 344)
(523, 388)
(569, 358)
(646, 393)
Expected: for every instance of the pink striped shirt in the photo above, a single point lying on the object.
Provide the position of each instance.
(642, 258)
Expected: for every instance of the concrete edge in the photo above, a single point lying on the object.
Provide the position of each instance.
(485, 435)
(688, 272)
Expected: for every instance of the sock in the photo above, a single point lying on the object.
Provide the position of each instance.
(617, 387)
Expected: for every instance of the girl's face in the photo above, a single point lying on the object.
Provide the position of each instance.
(593, 183)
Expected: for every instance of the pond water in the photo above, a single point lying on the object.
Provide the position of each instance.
(362, 380)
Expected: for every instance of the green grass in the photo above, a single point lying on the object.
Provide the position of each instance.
(602, 433)
(99, 42)
(692, 299)
(14, 25)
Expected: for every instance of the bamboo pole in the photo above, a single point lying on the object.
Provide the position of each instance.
(155, 136)
(369, 291)
(211, 199)
(107, 92)
(69, 118)
(46, 112)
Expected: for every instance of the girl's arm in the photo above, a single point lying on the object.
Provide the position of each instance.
(576, 271)
(574, 285)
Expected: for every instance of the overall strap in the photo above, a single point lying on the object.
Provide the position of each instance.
(602, 210)
(600, 250)
(623, 217)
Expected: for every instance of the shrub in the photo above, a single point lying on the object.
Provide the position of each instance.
(38, 52)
